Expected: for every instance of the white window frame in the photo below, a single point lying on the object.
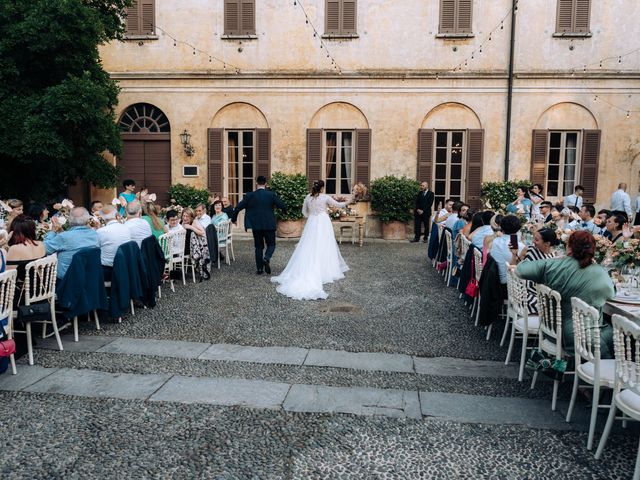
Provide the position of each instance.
(449, 149)
(184, 167)
(240, 178)
(339, 178)
(561, 165)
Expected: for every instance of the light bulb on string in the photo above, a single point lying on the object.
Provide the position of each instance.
(489, 37)
(619, 59)
(194, 51)
(585, 69)
(501, 25)
(307, 21)
(600, 63)
(595, 99)
(628, 113)
(480, 48)
(174, 42)
(209, 59)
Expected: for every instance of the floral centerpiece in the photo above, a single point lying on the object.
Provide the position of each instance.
(336, 213)
(626, 254)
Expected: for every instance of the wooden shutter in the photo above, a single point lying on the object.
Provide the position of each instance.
(147, 13)
(263, 153)
(232, 17)
(463, 16)
(314, 155)
(215, 159)
(581, 16)
(539, 150)
(248, 17)
(332, 18)
(133, 19)
(363, 155)
(573, 16)
(589, 164)
(425, 155)
(473, 181)
(447, 16)
(349, 16)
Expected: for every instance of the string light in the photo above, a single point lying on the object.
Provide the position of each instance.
(308, 21)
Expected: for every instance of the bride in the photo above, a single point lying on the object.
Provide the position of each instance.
(316, 259)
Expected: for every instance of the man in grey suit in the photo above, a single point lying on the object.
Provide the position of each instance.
(259, 205)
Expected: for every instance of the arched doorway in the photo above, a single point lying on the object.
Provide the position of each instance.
(146, 154)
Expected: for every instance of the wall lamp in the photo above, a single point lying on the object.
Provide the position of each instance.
(185, 138)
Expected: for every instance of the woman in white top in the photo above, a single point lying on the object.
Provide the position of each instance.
(535, 195)
(508, 247)
(316, 259)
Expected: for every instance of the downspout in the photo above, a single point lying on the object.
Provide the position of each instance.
(514, 8)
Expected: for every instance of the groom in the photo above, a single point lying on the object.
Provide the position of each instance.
(260, 218)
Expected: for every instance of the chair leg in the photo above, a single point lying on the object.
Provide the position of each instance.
(636, 472)
(55, 328)
(478, 311)
(574, 393)
(489, 332)
(554, 396)
(228, 259)
(12, 358)
(95, 317)
(159, 291)
(511, 342)
(75, 329)
(594, 415)
(233, 256)
(523, 355)
(29, 343)
(193, 273)
(507, 322)
(534, 380)
(184, 281)
(607, 428)
(133, 311)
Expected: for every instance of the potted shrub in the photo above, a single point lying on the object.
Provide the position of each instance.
(392, 198)
(292, 190)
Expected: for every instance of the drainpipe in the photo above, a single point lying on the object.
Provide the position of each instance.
(514, 7)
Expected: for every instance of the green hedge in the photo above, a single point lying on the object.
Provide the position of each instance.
(292, 190)
(188, 196)
(393, 198)
(497, 195)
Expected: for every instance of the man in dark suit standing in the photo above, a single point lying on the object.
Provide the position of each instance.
(259, 205)
(422, 212)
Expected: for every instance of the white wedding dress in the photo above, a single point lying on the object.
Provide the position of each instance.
(316, 259)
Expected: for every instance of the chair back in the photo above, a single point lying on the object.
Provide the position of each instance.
(449, 244)
(517, 292)
(166, 242)
(626, 344)
(586, 331)
(40, 279)
(464, 245)
(550, 313)
(222, 229)
(477, 263)
(440, 230)
(7, 290)
(179, 240)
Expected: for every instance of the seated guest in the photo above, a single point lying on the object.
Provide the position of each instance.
(545, 211)
(615, 225)
(213, 197)
(218, 213)
(453, 218)
(465, 229)
(587, 212)
(575, 275)
(476, 223)
(138, 228)
(67, 243)
(477, 236)
(23, 248)
(543, 242)
(201, 215)
(198, 242)
(111, 236)
(227, 207)
(96, 207)
(443, 214)
(601, 222)
(151, 212)
(522, 204)
(17, 208)
(173, 226)
(508, 247)
(464, 219)
(39, 213)
(488, 240)
(188, 216)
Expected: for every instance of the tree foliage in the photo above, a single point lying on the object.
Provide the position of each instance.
(292, 190)
(392, 198)
(56, 101)
(187, 195)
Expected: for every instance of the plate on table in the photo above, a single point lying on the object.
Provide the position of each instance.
(626, 296)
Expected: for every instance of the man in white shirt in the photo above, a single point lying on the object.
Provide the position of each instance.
(174, 227)
(111, 236)
(620, 201)
(453, 218)
(575, 199)
(443, 214)
(138, 228)
(201, 215)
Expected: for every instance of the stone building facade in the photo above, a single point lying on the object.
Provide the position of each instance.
(351, 90)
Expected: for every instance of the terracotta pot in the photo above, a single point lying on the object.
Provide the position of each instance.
(290, 228)
(394, 230)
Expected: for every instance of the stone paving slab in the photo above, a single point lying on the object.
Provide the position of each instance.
(460, 367)
(242, 353)
(358, 401)
(223, 391)
(27, 375)
(163, 348)
(92, 383)
(496, 410)
(385, 362)
(85, 344)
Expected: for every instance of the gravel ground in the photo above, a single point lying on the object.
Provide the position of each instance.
(400, 306)
(76, 438)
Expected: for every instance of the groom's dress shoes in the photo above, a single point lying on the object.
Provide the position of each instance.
(267, 266)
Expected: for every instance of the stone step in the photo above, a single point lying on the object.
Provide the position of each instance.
(292, 397)
(366, 361)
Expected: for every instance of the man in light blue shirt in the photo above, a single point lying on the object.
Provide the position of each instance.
(620, 201)
(575, 199)
(66, 244)
(587, 212)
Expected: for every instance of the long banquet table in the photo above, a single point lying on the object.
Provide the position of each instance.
(630, 311)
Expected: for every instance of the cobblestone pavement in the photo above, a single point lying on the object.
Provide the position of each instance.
(396, 304)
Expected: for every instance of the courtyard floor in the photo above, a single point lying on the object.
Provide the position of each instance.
(387, 378)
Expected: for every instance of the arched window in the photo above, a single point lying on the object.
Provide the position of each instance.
(144, 118)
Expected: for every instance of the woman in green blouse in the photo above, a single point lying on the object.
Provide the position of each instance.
(575, 276)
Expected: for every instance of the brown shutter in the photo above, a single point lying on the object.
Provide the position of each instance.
(215, 157)
(363, 155)
(133, 19)
(248, 17)
(332, 20)
(463, 16)
(475, 152)
(564, 20)
(589, 164)
(263, 153)
(581, 16)
(349, 16)
(425, 155)
(232, 17)
(314, 155)
(148, 16)
(539, 150)
(447, 16)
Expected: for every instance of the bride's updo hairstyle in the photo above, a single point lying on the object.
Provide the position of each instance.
(583, 247)
(317, 187)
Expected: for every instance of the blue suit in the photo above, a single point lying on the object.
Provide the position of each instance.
(260, 217)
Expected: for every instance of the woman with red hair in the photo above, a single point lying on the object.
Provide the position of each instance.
(23, 248)
(575, 275)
